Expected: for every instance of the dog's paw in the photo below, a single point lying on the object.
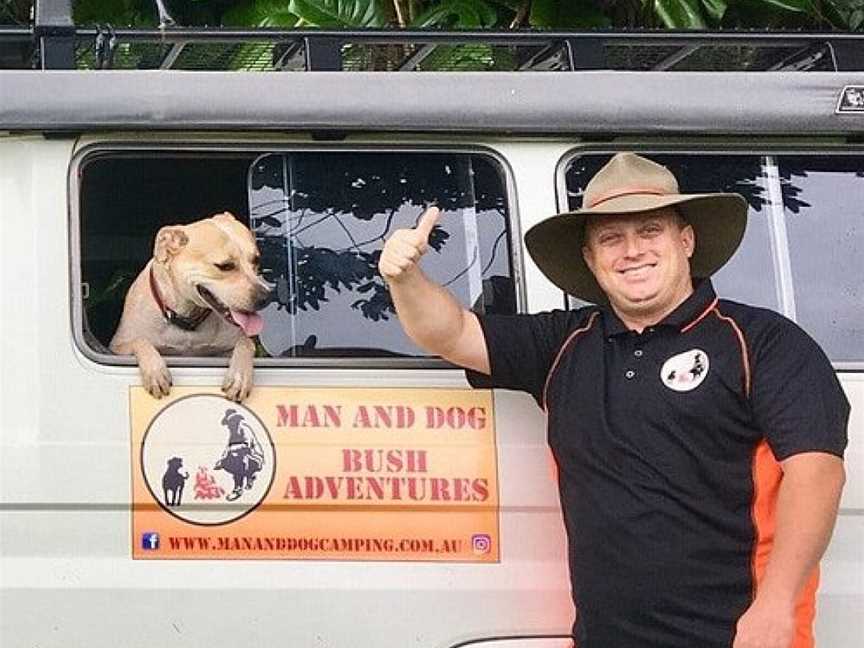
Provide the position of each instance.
(156, 377)
(237, 383)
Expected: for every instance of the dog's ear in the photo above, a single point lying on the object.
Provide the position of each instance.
(225, 217)
(169, 241)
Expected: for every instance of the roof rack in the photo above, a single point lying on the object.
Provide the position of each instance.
(54, 42)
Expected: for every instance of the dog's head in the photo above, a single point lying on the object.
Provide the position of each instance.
(175, 463)
(213, 263)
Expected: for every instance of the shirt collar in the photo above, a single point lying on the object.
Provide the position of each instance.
(690, 311)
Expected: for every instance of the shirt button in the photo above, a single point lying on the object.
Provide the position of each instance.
(638, 353)
(630, 374)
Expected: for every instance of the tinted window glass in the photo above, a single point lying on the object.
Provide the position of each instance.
(321, 220)
(803, 249)
(824, 207)
(125, 197)
(750, 275)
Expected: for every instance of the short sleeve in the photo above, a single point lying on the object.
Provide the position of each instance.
(796, 397)
(522, 348)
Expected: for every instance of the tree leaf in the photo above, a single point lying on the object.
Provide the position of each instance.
(120, 13)
(342, 13)
(716, 9)
(796, 6)
(458, 14)
(563, 15)
(261, 13)
(512, 5)
(680, 14)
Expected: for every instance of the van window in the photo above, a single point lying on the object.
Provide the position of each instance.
(804, 238)
(320, 219)
(824, 209)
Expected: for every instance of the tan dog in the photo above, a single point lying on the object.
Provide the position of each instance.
(197, 296)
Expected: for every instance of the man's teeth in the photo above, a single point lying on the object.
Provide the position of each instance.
(636, 269)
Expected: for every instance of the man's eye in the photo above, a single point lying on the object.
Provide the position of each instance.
(225, 267)
(608, 239)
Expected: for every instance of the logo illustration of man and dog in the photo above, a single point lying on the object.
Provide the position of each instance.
(242, 458)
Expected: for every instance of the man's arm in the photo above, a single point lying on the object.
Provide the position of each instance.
(807, 504)
(430, 315)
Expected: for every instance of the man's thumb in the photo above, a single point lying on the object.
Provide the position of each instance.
(427, 222)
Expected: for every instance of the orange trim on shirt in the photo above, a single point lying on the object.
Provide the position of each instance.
(569, 339)
(745, 355)
(701, 317)
(767, 476)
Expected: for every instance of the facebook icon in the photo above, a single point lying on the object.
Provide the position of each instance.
(150, 540)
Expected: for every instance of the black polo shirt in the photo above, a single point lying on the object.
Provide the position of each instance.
(661, 439)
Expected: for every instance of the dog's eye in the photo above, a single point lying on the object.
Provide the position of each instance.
(225, 267)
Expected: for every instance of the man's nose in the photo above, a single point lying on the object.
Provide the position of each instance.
(632, 245)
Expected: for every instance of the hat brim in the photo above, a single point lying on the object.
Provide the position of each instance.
(555, 244)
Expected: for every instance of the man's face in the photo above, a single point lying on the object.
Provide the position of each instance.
(641, 261)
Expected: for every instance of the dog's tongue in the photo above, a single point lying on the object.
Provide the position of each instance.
(251, 323)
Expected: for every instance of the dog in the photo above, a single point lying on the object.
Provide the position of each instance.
(173, 481)
(198, 295)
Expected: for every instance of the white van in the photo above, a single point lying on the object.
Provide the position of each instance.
(393, 506)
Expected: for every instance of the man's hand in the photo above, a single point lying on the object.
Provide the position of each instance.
(766, 624)
(404, 248)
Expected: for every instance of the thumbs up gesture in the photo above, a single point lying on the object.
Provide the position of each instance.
(404, 248)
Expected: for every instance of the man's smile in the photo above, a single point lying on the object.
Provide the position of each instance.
(636, 271)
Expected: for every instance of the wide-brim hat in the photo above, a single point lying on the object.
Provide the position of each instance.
(630, 184)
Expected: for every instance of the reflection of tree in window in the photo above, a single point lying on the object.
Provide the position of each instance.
(795, 166)
(826, 245)
(322, 218)
(703, 173)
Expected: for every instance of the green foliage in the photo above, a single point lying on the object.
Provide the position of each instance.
(120, 13)
(843, 14)
(312, 13)
(715, 10)
(341, 13)
(576, 14)
(847, 15)
(261, 13)
(15, 12)
(457, 14)
(681, 14)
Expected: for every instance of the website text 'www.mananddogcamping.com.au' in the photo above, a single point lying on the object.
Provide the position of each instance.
(480, 543)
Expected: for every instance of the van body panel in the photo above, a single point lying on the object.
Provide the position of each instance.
(66, 572)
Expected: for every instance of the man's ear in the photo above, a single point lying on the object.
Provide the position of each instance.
(169, 241)
(688, 239)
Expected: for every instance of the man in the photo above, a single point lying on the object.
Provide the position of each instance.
(699, 441)
(243, 456)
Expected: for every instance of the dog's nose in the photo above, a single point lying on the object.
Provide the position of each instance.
(262, 297)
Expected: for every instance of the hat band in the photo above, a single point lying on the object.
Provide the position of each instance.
(628, 192)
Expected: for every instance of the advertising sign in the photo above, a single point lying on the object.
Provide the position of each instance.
(324, 474)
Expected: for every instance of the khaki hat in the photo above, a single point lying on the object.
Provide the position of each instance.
(630, 184)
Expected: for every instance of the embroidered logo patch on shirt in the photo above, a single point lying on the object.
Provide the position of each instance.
(685, 371)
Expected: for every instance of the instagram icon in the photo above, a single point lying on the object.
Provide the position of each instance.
(481, 543)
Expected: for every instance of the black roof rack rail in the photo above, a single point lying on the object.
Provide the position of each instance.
(54, 42)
